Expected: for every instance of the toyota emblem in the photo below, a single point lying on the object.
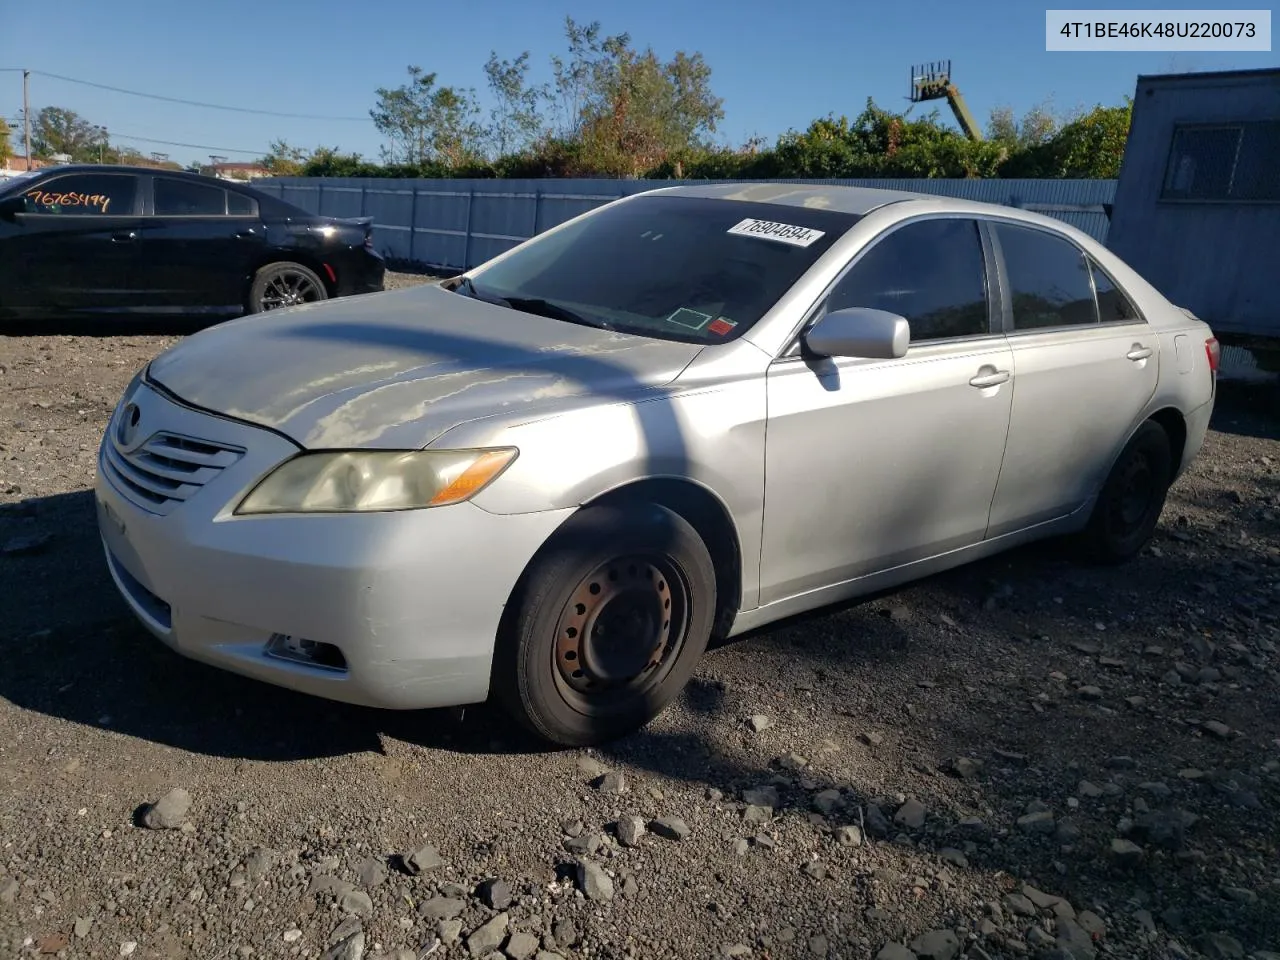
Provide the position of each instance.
(128, 428)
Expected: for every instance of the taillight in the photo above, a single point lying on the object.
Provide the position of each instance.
(1214, 352)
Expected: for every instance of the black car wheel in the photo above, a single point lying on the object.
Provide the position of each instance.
(1133, 497)
(284, 285)
(608, 625)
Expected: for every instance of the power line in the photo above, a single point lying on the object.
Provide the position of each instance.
(192, 103)
(111, 135)
(193, 146)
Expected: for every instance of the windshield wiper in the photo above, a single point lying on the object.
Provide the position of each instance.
(555, 311)
(472, 291)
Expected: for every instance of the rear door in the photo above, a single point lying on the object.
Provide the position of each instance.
(199, 241)
(1085, 363)
(75, 246)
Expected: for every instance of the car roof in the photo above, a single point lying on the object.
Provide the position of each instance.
(857, 201)
(840, 199)
(130, 168)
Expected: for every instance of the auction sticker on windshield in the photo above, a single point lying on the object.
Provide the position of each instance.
(782, 232)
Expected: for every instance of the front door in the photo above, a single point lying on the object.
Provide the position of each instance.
(200, 241)
(74, 248)
(871, 464)
(1085, 365)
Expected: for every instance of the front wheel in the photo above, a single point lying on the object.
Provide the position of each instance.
(1133, 497)
(284, 285)
(608, 624)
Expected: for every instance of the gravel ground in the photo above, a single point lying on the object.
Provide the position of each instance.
(1024, 757)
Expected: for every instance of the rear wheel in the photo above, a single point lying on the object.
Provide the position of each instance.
(608, 626)
(284, 285)
(1133, 497)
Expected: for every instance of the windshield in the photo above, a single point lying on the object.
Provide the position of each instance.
(16, 179)
(675, 268)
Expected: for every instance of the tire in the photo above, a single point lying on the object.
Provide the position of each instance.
(611, 571)
(286, 282)
(1132, 499)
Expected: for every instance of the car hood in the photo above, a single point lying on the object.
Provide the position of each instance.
(398, 369)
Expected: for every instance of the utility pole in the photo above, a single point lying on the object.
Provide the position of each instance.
(26, 113)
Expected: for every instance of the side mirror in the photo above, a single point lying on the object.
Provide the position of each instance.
(10, 206)
(859, 332)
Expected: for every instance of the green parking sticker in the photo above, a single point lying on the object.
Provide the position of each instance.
(690, 319)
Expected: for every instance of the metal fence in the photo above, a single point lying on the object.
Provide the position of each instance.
(456, 224)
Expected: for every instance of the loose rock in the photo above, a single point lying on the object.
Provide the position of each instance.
(671, 828)
(169, 811)
(612, 782)
(441, 908)
(495, 894)
(521, 946)
(849, 836)
(911, 814)
(631, 831)
(426, 858)
(936, 945)
(489, 936)
(594, 882)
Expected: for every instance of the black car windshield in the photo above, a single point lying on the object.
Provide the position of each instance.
(676, 268)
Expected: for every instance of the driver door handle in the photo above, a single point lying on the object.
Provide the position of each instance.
(125, 237)
(993, 379)
(1139, 352)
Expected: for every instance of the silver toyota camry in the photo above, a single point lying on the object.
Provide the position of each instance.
(680, 416)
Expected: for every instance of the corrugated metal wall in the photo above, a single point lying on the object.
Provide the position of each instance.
(1217, 258)
(456, 224)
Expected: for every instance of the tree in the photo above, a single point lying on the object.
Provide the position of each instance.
(426, 123)
(55, 130)
(515, 119)
(627, 108)
(1089, 147)
(6, 149)
(282, 160)
(880, 143)
(1037, 126)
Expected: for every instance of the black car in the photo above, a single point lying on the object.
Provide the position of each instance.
(90, 239)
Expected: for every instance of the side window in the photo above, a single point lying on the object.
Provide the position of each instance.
(1048, 279)
(240, 205)
(178, 198)
(1113, 305)
(84, 194)
(931, 271)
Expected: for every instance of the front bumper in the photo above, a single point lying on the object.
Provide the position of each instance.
(412, 599)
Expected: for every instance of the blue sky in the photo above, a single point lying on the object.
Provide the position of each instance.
(776, 65)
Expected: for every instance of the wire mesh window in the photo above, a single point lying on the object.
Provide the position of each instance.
(1225, 162)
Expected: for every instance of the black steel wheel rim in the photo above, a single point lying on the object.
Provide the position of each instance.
(289, 288)
(620, 633)
(1134, 495)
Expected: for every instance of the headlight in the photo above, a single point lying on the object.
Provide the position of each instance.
(359, 481)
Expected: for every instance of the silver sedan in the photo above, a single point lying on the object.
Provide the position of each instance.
(680, 416)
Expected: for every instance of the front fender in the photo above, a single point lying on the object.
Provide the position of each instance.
(713, 437)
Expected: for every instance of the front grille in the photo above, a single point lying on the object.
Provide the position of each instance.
(166, 470)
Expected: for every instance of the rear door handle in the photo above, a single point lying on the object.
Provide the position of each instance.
(990, 379)
(1139, 352)
(246, 234)
(127, 237)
